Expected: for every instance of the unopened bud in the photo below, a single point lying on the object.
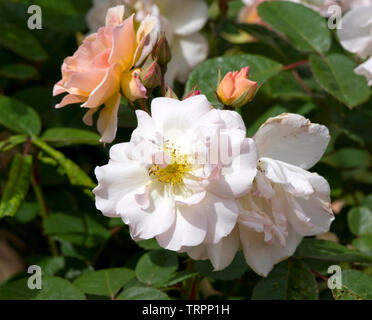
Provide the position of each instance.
(162, 51)
(236, 89)
(192, 93)
(170, 94)
(151, 76)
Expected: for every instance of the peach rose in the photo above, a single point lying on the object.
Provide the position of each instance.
(103, 69)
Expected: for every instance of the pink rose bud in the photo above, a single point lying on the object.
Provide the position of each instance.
(132, 86)
(162, 51)
(192, 93)
(151, 76)
(170, 94)
(236, 89)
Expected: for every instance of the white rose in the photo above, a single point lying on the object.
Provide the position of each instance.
(178, 177)
(286, 203)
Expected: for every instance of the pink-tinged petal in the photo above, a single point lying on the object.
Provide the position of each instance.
(115, 15)
(100, 61)
(199, 252)
(69, 99)
(264, 186)
(226, 87)
(124, 44)
(106, 88)
(150, 222)
(58, 88)
(260, 255)
(188, 229)
(85, 81)
(221, 215)
(293, 139)
(171, 114)
(88, 117)
(108, 119)
(292, 178)
(236, 179)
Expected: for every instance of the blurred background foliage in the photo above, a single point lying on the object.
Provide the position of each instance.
(47, 159)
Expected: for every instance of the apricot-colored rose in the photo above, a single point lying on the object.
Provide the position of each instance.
(102, 65)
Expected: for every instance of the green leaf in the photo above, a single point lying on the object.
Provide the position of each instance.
(367, 202)
(74, 173)
(19, 117)
(27, 212)
(234, 271)
(335, 73)
(305, 29)
(330, 251)
(17, 185)
(22, 42)
(205, 76)
(272, 112)
(178, 277)
(289, 280)
(104, 282)
(281, 46)
(150, 244)
(348, 158)
(156, 267)
(53, 288)
(142, 293)
(355, 286)
(60, 137)
(81, 229)
(363, 243)
(360, 220)
(18, 71)
(285, 86)
(50, 265)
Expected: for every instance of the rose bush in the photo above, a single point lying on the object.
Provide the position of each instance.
(231, 158)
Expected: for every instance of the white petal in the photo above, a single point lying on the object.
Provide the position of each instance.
(222, 253)
(261, 256)
(115, 180)
(315, 209)
(188, 229)
(293, 139)
(292, 178)
(365, 69)
(172, 114)
(236, 179)
(355, 34)
(146, 223)
(221, 217)
(187, 53)
(185, 17)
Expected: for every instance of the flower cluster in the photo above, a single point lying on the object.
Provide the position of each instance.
(189, 176)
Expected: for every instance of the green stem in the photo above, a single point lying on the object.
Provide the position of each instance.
(43, 209)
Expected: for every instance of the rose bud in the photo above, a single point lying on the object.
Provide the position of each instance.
(192, 93)
(162, 51)
(151, 75)
(132, 86)
(170, 94)
(236, 89)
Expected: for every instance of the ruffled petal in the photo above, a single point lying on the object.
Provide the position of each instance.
(293, 139)
(108, 119)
